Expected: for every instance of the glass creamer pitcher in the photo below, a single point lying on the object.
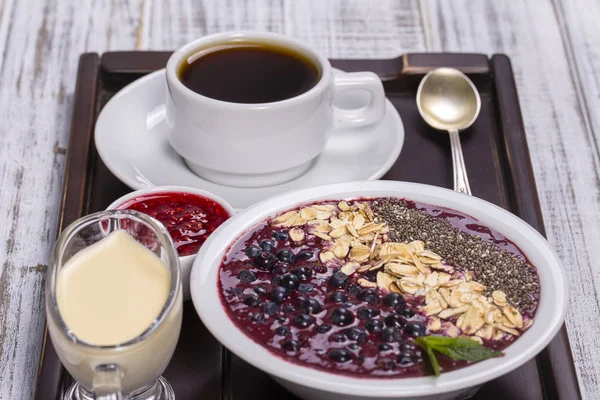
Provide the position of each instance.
(130, 370)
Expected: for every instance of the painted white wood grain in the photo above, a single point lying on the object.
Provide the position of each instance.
(41, 43)
(563, 147)
(42, 39)
(578, 21)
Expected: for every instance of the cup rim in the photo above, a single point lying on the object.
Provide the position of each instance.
(173, 189)
(174, 83)
(175, 286)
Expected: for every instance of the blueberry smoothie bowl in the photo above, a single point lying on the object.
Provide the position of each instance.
(379, 290)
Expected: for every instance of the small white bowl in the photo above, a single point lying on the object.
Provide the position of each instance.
(310, 383)
(184, 261)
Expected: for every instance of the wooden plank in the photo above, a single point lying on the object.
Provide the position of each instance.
(563, 148)
(41, 42)
(74, 192)
(578, 21)
(555, 363)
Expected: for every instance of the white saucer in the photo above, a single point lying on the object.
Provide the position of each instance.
(131, 140)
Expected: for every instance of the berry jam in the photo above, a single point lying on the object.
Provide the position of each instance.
(279, 293)
(189, 218)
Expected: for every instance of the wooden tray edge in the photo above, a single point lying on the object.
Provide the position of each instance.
(50, 369)
(135, 62)
(555, 362)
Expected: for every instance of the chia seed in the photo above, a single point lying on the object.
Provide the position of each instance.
(494, 267)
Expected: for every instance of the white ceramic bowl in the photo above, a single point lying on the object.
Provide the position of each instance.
(185, 262)
(309, 383)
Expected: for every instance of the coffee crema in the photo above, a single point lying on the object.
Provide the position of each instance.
(249, 72)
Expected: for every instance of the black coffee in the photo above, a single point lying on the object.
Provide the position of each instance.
(250, 73)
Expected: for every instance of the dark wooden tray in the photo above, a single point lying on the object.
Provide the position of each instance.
(499, 169)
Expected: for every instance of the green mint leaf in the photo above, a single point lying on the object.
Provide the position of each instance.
(435, 366)
(465, 349)
(455, 348)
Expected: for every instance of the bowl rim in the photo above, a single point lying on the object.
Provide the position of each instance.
(174, 189)
(549, 316)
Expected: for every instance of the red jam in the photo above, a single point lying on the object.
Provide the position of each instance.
(189, 218)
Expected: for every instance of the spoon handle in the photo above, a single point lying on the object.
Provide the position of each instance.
(461, 181)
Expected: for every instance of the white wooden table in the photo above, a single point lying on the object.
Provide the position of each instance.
(554, 46)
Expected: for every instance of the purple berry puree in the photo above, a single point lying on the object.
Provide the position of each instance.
(280, 295)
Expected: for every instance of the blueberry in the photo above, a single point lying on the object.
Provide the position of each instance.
(384, 347)
(374, 325)
(348, 304)
(289, 309)
(276, 280)
(338, 279)
(408, 347)
(305, 288)
(357, 334)
(393, 300)
(281, 268)
(390, 335)
(337, 337)
(405, 359)
(264, 261)
(259, 318)
(305, 255)
(283, 331)
(415, 329)
(252, 300)
(286, 255)
(353, 289)
(290, 281)
(303, 273)
(323, 328)
(394, 320)
(340, 355)
(278, 294)
(270, 308)
(260, 290)
(386, 364)
(280, 235)
(283, 319)
(267, 245)
(290, 345)
(252, 251)
(342, 317)
(310, 306)
(368, 295)
(303, 320)
(354, 346)
(320, 269)
(406, 312)
(367, 313)
(338, 297)
(246, 276)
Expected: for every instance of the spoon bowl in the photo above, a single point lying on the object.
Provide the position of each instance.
(448, 100)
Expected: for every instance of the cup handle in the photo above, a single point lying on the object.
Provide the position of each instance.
(106, 384)
(363, 116)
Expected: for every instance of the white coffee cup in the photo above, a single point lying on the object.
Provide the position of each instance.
(251, 145)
